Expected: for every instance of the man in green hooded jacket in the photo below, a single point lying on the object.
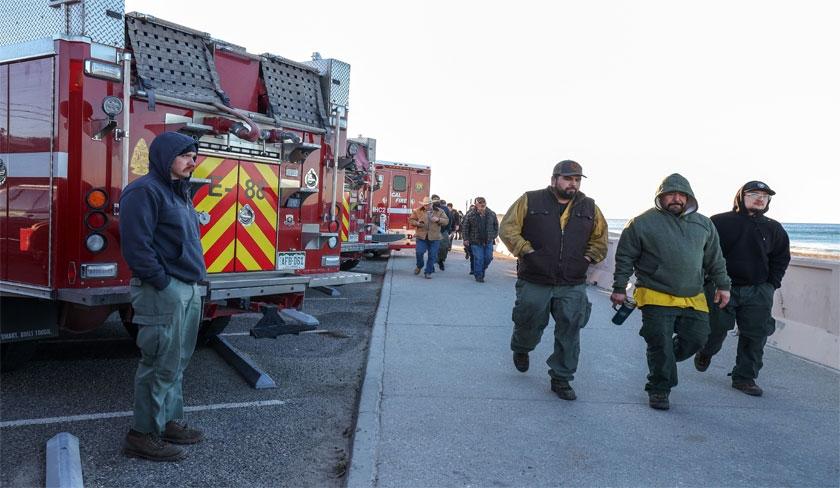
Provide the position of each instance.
(671, 248)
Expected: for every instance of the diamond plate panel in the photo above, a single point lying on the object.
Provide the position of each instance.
(26, 20)
(294, 92)
(337, 82)
(173, 61)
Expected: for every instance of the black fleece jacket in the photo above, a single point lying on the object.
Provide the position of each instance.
(756, 248)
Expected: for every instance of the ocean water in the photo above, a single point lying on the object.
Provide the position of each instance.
(818, 237)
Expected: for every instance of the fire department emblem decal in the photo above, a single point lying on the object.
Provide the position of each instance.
(289, 220)
(418, 186)
(3, 172)
(140, 159)
(246, 215)
(311, 179)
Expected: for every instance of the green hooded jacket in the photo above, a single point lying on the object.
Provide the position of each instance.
(670, 253)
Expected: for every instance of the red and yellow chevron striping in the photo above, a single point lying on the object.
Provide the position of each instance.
(345, 217)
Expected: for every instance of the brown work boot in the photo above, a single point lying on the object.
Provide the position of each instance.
(563, 389)
(749, 387)
(659, 400)
(150, 446)
(177, 433)
(702, 361)
(416, 271)
(520, 360)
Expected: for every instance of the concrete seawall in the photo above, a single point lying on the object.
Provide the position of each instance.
(806, 308)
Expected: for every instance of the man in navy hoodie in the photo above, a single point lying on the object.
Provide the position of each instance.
(162, 246)
(757, 253)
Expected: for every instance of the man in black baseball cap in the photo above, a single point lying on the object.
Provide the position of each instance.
(757, 253)
(538, 226)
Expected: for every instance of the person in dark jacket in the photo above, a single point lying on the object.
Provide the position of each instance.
(162, 246)
(555, 233)
(445, 241)
(481, 227)
(670, 248)
(757, 253)
(454, 224)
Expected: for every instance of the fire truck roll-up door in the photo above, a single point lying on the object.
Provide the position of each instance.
(238, 214)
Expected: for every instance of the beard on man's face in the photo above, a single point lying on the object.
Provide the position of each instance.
(676, 208)
(567, 193)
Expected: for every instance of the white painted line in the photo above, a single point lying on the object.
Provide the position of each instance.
(129, 413)
(235, 333)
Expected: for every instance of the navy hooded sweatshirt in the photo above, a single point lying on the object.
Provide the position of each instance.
(158, 224)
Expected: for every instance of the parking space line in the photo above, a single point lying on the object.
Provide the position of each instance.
(129, 413)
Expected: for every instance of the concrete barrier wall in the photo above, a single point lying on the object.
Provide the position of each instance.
(806, 307)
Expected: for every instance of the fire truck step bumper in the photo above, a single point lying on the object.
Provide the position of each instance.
(340, 278)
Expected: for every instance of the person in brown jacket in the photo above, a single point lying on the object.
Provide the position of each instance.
(428, 222)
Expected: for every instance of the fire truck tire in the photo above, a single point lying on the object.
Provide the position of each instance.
(14, 354)
(210, 328)
(349, 264)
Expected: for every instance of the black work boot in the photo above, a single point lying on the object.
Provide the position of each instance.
(442, 266)
(177, 433)
(563, 389)
(659, 400)
(150, 446)
(702, 361)
(749, 387)
(520, 360)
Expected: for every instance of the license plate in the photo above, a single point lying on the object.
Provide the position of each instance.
(291, 260)
(353, 238)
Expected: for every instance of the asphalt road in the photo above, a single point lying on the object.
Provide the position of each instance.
(298, 434)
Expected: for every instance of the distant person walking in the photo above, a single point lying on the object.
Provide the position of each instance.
(162, 246)
(757, 253)
(445, 243)
(670, 248)
(555, 233)
(454, 224)
(428, 222)
(481, 228)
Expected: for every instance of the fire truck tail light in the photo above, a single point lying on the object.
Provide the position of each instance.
(104, 270)
(95, 242)
(101, 69)
(96, 198)
(96, 220)
(330, 261)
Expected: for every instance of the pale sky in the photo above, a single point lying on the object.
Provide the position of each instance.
(492, 94)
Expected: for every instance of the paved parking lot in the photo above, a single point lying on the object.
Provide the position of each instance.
(295, 435)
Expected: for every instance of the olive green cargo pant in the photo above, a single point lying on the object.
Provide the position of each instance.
(570, 308)
(751, 307)
(672, 335)
(167, 330)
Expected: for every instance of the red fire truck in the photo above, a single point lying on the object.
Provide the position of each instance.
(84, 88)
(402, 186)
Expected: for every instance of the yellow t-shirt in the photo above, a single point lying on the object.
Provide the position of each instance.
(646, 296)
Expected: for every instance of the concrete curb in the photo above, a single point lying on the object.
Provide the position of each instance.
(365, 455)
(64, 466)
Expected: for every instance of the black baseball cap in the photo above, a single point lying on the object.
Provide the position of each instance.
(758, 186)
(568, 168)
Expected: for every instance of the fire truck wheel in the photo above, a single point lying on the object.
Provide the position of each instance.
(349, 264)
(210, 328)
(14, 354)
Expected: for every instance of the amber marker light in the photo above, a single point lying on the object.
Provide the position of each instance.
(96, 198)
